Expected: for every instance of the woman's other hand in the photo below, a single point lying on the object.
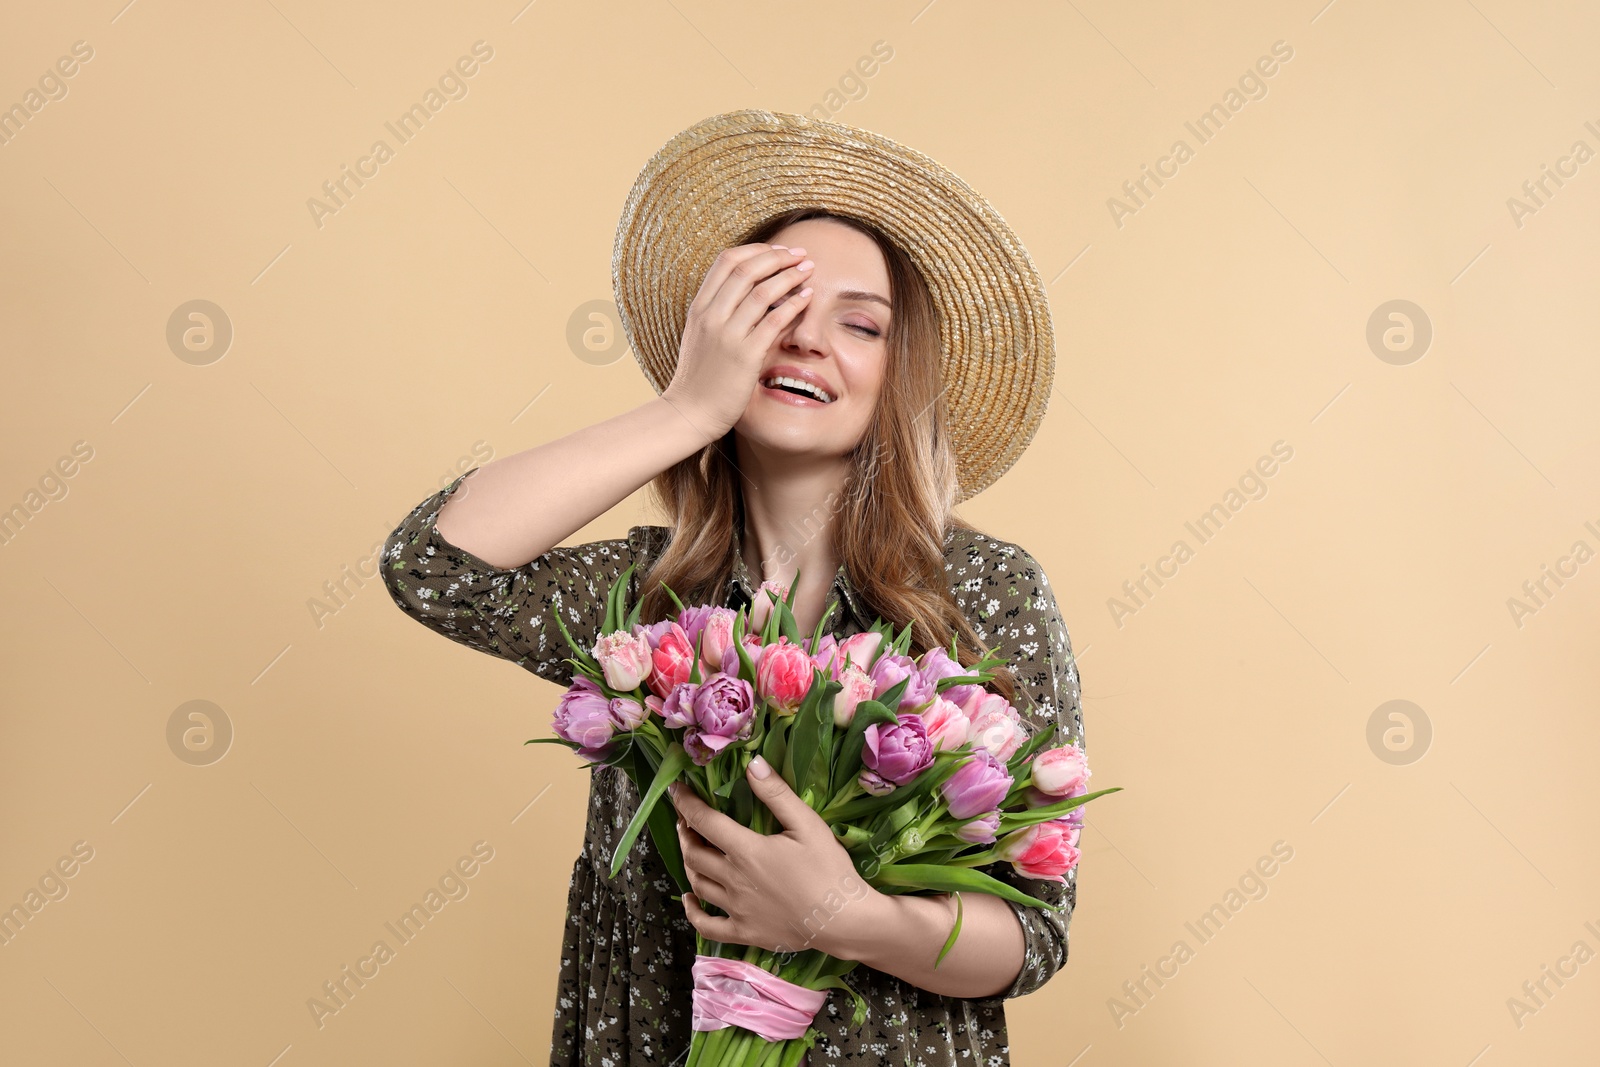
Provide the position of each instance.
(787, 891)
(749, 295)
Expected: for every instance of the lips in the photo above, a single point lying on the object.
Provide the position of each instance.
(805, 378)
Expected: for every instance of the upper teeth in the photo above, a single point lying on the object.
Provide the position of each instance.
(800, 383)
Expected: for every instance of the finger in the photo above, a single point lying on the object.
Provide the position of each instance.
(707, 888)
(769, 297)
(794, 814)
(705, 858)
(721, 267)
(715, 927)
(745, 275)
(710, 823)
(772, 324)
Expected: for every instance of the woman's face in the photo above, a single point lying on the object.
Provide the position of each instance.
(837, 339)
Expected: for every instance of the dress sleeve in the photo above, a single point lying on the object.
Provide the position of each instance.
(1018, 611)
(509, 613)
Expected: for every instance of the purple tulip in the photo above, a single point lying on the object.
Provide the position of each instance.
(693, 620)
(627, 713)
(724, 712)
(894, 753)
(583, 716)
(937, 664)
(979, 785)
(654, 632)
(677, 709)
(980, 831)
(890, 668)
(826, 655)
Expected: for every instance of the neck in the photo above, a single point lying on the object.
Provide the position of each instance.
(790, 506)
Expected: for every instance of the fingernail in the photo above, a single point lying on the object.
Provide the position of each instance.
(780, 246)
(804, 265)
(760, 767)
(797, 251)
(672, 789)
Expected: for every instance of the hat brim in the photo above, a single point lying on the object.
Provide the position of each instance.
(714, 181)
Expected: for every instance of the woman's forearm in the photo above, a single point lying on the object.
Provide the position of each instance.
(514, 509)
(902, 935)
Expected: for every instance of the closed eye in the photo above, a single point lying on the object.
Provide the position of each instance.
(869, 331)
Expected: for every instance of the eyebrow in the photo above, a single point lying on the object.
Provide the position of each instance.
(863, 294)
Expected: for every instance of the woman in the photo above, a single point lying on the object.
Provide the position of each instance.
(804, 428)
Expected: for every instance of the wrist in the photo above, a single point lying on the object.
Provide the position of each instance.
(885, 930)
(697, 428)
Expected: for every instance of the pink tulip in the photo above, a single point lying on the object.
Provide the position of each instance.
(857, 687)
(625, 658)
(860, 648)
(1044, 850)
(1061, 772)
(762, 607)
(948, 726)
(716, 638)
(996, 723)
(784, 675)
(671, 661)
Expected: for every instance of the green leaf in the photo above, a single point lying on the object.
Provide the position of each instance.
(673, 595)
(920, 786)
(585, 658)
(903, 642)
(827, 613)
(890, 698)
(807, 758)
(1016, 820)
(742, 801)
(662, 820)
(747, 668)
(949, 880)
(950, 942)
(788, 626)
(834, 982)
(694, 664)
(775, 748)
(552, 741)
(672, 765)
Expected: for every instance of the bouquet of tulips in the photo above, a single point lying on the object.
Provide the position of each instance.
(922, 773)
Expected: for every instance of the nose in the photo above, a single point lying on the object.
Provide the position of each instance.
(804, 334)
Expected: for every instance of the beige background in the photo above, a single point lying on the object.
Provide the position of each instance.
(424, 327)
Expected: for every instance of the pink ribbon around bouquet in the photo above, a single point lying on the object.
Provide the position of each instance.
(735, 993)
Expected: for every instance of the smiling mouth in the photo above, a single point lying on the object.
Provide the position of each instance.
(797, 387)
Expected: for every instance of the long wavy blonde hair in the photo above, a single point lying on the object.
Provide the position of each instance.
(888, 526)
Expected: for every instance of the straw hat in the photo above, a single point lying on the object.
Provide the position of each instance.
(714, 181)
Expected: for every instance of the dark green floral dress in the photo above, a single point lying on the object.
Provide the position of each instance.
(623, 995)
